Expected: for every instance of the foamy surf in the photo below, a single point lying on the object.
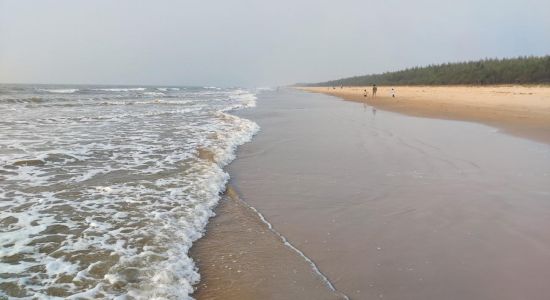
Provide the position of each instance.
(59, 91)
(104, 201)
(139, 89)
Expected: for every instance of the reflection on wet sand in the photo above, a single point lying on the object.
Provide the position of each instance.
(404, 208)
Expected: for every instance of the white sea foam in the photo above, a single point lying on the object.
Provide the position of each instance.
(242, 99)
(109, 198)
(60, 91)
(120, 89)
(163, 89)
(154, 94)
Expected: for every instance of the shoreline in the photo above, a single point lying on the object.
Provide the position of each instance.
(520, 110)
(241, 256)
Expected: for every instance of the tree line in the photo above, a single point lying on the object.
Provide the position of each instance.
(520, 70)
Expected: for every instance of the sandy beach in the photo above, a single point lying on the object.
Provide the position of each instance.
(386, 205)
(236, 150)
(520, 110)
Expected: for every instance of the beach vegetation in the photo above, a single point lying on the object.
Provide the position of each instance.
(520, 70)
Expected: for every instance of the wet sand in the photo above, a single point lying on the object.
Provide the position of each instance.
(519, 110)
(241, 258)
(387, 205)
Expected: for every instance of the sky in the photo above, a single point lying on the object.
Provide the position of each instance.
(255, 43)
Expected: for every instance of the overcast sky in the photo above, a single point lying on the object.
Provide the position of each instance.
(255, 43)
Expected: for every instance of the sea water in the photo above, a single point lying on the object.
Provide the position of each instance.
(104, 189)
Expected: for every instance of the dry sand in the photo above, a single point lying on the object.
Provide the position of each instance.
(387, 205)
(520, 110)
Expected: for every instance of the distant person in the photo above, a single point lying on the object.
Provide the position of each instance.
(341, 87)
(366, 94)
(374, 89)
(392, 92)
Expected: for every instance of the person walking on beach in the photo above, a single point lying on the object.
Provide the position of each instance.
(366, 94)
(374, 89)
(392, 93)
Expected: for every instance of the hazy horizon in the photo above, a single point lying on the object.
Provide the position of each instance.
(248, 43)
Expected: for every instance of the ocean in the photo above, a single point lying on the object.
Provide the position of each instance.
(104, 189)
